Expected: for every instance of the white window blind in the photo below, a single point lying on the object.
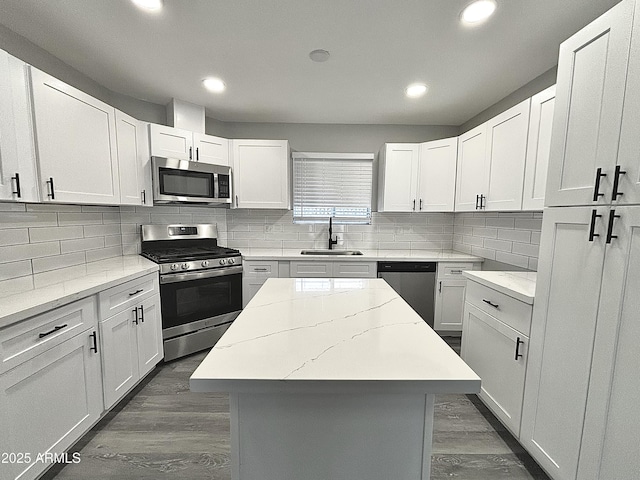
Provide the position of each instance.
(334, 185)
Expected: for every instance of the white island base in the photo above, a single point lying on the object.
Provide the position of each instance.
(325, 436)
(331, 379)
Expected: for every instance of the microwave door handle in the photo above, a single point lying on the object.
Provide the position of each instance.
(183, 277)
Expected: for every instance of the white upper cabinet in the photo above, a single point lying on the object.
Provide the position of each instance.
(131, 137)
(210, 149)
(76, 143)
(506, 151)
(18, 180)
(437, 175)
(592, 71)
(418, 177)
(538, 147)
(473, 169)
(398, 177)
(170, 142)
(173, 142)
(629, 152)
(261, 173)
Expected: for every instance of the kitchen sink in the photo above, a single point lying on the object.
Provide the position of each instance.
(331, 252)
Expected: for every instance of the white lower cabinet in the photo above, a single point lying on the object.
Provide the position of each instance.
(254, 274)
(131, 347)
(449, 296)
(497, 353)
(333, 269)
(48, 402)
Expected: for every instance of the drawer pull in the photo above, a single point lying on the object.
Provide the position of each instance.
(457, 272)
(55, 329)
(518, 343)
(259, 269)
(94, 336)
(489, 302)
(136, 292)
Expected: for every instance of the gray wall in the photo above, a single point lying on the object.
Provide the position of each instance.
(20, 47)
(536, 85)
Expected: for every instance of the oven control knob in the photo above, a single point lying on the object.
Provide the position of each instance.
(175, 266)
(185, 266)
(205, 263)
(231, 260)
(223, 261)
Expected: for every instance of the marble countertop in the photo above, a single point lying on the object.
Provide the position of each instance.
(367, 255)
(331, 335)
(23, 298)
(519, 285)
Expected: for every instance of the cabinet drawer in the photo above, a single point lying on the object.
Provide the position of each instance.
(23, 341)
(260, 268)
(121, 297)
(454, 270)
(355, 269)
(311, 269)
(508, 310)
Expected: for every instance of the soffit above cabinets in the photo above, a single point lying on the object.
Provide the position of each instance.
(261, 51)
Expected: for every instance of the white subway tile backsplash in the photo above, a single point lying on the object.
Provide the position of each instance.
(28, 219)
(58, 261)
(27, 251)
(54, 233)
(15, 269)
(14, 236)
(50, 207)
(12, 207)
(509, 237)
(102, 253)
(79, 218)
(102, 230)
(83, 244)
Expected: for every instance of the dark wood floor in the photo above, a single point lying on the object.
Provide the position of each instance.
(163, 431)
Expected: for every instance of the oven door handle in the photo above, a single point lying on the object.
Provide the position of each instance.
(183, 277)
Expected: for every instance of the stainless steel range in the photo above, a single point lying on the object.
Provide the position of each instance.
(200, 285)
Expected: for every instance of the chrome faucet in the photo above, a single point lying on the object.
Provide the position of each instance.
(332, 242)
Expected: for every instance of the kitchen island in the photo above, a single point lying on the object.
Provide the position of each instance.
(331, 378)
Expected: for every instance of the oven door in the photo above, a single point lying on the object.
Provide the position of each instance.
(195, 300)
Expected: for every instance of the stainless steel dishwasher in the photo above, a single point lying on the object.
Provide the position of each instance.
(415, 282)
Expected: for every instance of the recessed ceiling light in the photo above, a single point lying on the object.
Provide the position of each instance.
(478, 12)
(416, 90)
(214, 84)
(150, 5)
(319, 55)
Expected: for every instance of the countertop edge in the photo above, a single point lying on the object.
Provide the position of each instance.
(368, 256)
(20, 315)
(498, 286)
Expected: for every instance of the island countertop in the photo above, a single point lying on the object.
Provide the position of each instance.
(331, 336)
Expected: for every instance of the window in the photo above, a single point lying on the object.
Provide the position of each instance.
(334, 185)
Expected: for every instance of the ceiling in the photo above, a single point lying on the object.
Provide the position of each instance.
(260, 49)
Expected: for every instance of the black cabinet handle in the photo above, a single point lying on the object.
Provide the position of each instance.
(94, 335)
(141, 314)
(55, 329)
(197, 154)
(592, 229)
(612, 218)
(190, 153)
(420, 204)
(414, 205)
(483, 204)
(144, 197)
(136, 292)
(440, 288)
(616, 183)
(596, 188)
(135, 312)
(17, 190)
(236, 200)
(51, 195)
(477, 200)
(488, 302)
(518, 343)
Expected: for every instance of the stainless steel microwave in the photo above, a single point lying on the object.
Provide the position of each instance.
(182, 181)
